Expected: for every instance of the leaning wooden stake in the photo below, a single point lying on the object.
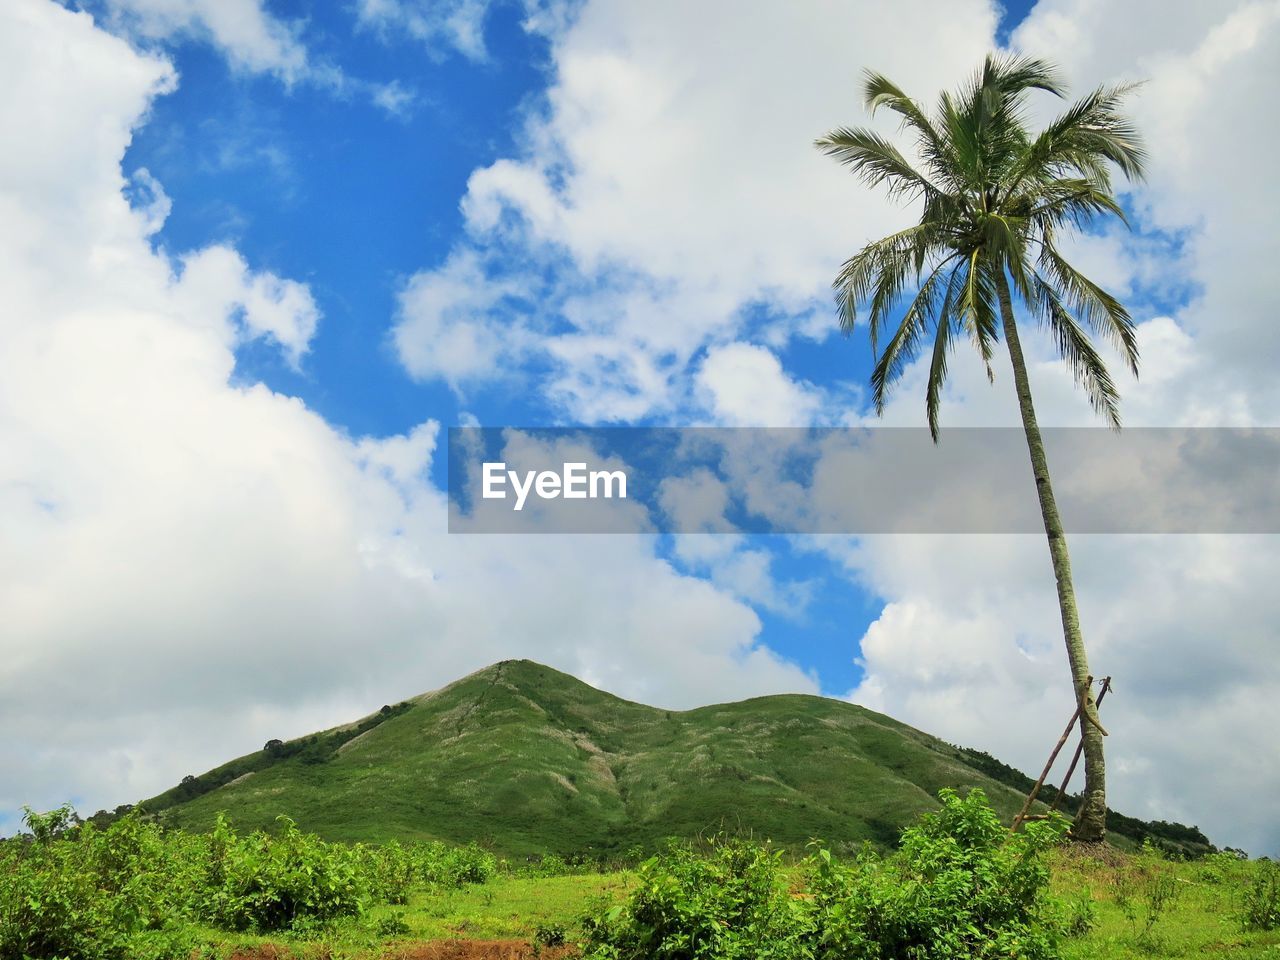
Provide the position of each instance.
(1031, 797)
(1106, 685)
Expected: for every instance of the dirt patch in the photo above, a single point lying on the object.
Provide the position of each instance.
(479, 950)
(266, 951)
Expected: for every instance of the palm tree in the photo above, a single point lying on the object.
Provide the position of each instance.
(995, 198)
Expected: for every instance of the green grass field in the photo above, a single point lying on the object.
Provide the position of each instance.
(509, 908)
(1199, 920)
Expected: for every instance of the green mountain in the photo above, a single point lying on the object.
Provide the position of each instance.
(531, 760)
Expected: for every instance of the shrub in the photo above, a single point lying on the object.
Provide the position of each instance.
(127, 891)
(730, 903)
(392, 925)
(470, 864)
(77, 892)
(438, 864)
(1222, 867)
(1261, 903)
(550, 935)
(265, 882)
(1079, 914)
(960, 887)
(551, 865)
(390, 869)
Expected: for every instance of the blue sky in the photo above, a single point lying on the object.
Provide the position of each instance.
(386, 217)
(330, 190)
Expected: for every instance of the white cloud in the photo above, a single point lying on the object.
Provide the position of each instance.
(254, 41)
(970, 648)
(246, 34)
(1207, 68)
(451, 323)
(746, 386)
(191, 565)
(442, 25)
(684, 189)
(394, 98)
(217, 282)
(458, 24)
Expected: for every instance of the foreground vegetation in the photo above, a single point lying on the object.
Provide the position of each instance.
(958, 886)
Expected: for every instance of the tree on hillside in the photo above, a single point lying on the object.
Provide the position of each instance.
(995, 198)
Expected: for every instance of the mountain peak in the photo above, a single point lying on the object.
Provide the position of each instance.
(531, 759)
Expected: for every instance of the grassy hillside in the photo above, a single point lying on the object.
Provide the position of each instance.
(531, 760)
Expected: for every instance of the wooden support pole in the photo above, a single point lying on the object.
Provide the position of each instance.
(1031, 797)
(1106, 685)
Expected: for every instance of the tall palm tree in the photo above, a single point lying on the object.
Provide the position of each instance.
(995, 198)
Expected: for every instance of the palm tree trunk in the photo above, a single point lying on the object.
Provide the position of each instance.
(1090, 823)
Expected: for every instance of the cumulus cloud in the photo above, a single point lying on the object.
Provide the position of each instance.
(456, 325)
(217, 282)
(246, 34)
(455, 25)
(969, 647)
(254, 41)
(681, 190)
(1207, 68)
(191, 563)
(746, 386)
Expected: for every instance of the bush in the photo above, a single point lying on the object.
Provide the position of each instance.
(1223, 867)
(1261, 906)
(77, 892)
(730, 903)
(263, 882)
(550, 935)
(470, 864)
(1079, 915)
(392, 925)
(1144, 892)
(390, 869)
(129, 891)
(960, 887)
(438, 864)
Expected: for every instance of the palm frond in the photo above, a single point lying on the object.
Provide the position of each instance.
(1066, 202)
(903, 345)
(1101, 311)
(1090, 133)
(977, 308)
(858, 277)
(1087, 365)
(875, 160)
(945, 322)
(879, 91)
